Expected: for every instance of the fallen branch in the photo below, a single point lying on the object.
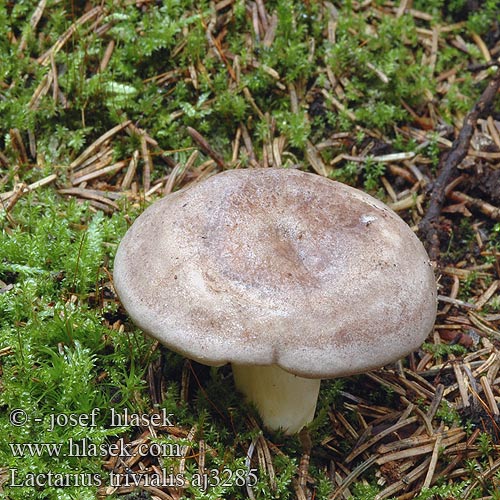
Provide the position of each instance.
(429, 225)
(66, 36)
(98, 143)
(487, 209)
(112, 169)
(12, 197)
(205, 147)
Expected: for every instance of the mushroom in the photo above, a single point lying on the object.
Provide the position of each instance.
(289, 276)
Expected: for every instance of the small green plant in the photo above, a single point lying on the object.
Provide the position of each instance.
(467, 285)
(432, 150)
(295, 126)
(443, 350)
(485, 444)
(57, 342)
(347, 173)
(372, 173)
(481, 18)
(448, 414)
(442, 491)
(363, 491)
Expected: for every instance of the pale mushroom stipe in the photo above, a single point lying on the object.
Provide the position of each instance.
(288, 276)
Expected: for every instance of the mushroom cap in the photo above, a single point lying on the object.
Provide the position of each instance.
(276, 266)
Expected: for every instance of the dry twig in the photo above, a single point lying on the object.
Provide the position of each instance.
(429, 226)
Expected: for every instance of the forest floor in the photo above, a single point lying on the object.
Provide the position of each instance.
(108, 105)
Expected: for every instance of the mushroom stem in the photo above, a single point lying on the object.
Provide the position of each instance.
(283, 400)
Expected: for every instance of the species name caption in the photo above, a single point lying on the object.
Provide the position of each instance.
(163, 477)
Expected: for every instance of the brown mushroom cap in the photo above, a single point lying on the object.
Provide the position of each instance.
(275, 266)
